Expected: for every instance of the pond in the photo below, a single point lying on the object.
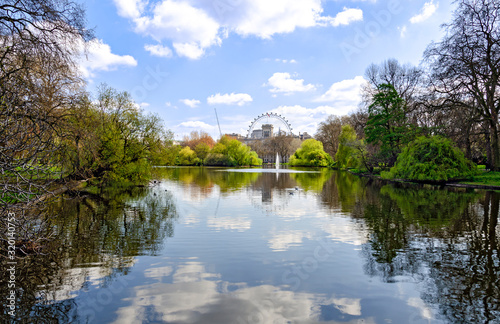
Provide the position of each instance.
(213, 246)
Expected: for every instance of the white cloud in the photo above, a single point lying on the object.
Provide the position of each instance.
(292, 61)
(190, 29)
(427, 11)
(129, 8)
(190, 50)
(425, 311)
(197, 125)
(193, 103)
(283, 240)
(193, 27)
(159, 50)
(100, 58)
(185, 128)
(230, 99)
(350, 306)
(283, 83)
(305, 119)
(346, 92)
(402, 31)
(195, 292)
(239, 224)
(142, 105)
(346, 17)
(265, 18)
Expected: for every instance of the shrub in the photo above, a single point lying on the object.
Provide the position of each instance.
(311, 153)
(188, 157)
(231, 152)
(431, 159)
(217, 159)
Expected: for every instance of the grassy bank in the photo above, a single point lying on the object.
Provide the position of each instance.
(485, 178)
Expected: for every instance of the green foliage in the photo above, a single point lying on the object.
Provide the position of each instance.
(432, 207)
(112, 139)
(169, 155)
(217, 159)
(312, 181)
(431, 159)
(347, 155)
(490, 178)
(231, 152)
(242, 154)
(202, 150)
(311, 153)
(219, 148)
(387, 125)
(206, 179)
(188, 157)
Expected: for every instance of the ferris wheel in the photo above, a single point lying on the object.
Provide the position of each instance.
(267, 116)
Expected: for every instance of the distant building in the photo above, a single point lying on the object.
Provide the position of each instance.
(304, 136)
(234, 136)
(267, 130)
(256, 134)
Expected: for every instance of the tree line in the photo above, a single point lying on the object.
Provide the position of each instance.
(200, 149)
(454, 94)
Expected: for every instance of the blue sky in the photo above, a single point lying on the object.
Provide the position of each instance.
(304, 59)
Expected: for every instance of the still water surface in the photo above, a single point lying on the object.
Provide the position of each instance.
(211, 246)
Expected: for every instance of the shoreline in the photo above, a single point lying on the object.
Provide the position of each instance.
(443, 183)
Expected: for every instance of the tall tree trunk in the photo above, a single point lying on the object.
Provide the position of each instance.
(495, 150)
(488, 148)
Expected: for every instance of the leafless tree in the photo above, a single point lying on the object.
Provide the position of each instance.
(283, 145)
(406, 78)
(38, 41)
(329, 131)
(465, 65)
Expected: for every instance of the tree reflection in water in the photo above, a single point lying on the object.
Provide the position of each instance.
(444, 240)
(97, 238)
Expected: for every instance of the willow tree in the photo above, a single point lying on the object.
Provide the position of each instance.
(465, 64)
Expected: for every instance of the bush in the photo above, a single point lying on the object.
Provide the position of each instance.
(431, 159)
(311, 153)
(231, 152)
(217, 159)
(188, 157)
(347, 155)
